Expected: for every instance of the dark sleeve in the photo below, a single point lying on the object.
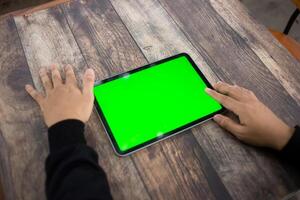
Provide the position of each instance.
(72, 167)
(292, 150)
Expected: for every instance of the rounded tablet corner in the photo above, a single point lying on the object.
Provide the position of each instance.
(97, 82)
(185, 54)
(119, 153)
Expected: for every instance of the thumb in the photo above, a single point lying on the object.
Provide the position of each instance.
(228, 124)
(88, 81)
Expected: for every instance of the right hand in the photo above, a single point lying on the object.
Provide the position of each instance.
(258, 124)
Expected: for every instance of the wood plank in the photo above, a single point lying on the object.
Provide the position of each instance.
(47, 39)
(169, 170)
(1, 192)
(275, 56)
(22, 151)
(158, 36)
(240, 65)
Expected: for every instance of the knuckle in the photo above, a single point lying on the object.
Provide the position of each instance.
(55, 75)
(236, 88)
(46, 83)
(230, 92)
(239, 131)
(42, 72)
(224, 99)
(72, 88)
(251, 93)
(223, 85)
(34, 94)
(44, 78)
(89, 78)
(69, 73)
(218, 84)
(244, 90)
(224, 123)
(241, 134)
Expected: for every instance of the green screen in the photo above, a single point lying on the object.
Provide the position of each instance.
(152, 102)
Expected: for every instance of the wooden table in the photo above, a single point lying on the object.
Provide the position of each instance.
(114, 36)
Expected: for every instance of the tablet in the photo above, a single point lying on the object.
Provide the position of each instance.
(150, 103)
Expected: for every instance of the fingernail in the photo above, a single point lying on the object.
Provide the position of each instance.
(89, 71)
(208, 90)
(217, 118)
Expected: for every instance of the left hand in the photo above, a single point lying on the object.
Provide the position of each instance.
(64, 100)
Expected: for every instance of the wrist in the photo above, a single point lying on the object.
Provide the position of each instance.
(53, 121)
(286, 135)
(66, 132)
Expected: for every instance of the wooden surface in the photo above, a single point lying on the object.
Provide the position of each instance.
(113, 36)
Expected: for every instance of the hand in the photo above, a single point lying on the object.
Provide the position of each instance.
(258, 124)
(64, 100)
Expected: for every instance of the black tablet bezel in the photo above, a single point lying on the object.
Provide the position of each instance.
(166, 135)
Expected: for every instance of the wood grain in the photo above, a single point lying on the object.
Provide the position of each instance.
(275, 56)
(47, 39)
(157, 35)
(22, 140)
(203, 163)
(105, 42)
(240, 65)
(1, 192)
(235, 62)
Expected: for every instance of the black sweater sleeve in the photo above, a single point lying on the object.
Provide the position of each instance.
(292, 150)
(72, 167)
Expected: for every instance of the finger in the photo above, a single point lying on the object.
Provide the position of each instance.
(248, 94)
(70, 76)
(229, 90)
(230, 125)
(226, 101)
(55, 74)
(47, 84)
(88, 81)
(34, 94)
